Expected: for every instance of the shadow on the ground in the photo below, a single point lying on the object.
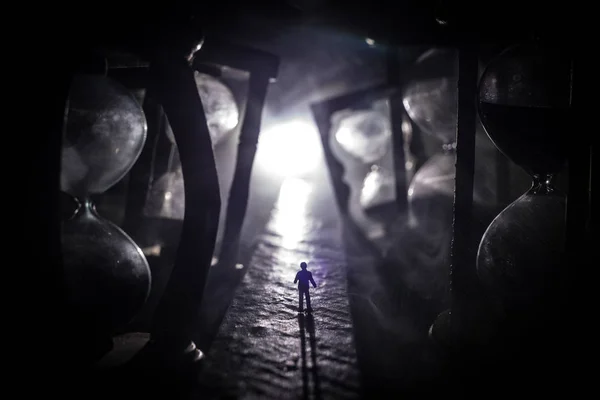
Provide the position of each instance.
(307, 323)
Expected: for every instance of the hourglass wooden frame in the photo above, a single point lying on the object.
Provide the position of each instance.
(322, 112)
(455, 328)
(263, 68)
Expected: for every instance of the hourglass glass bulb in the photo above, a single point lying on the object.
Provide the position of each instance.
(104, 133)
(525, 106)
(430, 96)
(107, 275)
(220, 107)
(364, 135)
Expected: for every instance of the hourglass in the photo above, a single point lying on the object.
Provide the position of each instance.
(365, 137)
(525, 108)
(107, 275)
(424, 247)
(430, 100)
(222, 111)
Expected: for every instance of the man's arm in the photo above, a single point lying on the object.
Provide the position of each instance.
(296, 279)
(312, 280)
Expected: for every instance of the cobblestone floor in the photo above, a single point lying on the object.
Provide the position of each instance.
(265, 348)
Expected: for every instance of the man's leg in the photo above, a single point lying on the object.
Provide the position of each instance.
(301, 301)
(308, 307)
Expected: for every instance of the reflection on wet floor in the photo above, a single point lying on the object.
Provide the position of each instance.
(264, 348)
(289, 219)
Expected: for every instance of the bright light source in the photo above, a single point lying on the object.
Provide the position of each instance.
(289, 219)
(370, 41)
(289, 149)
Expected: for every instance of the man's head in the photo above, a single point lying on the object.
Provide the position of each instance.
(303, 265)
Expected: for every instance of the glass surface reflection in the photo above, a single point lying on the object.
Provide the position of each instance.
(167, 197)
(365, 134)
(104, 133)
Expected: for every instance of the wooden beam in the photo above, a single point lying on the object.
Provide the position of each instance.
(217, 51)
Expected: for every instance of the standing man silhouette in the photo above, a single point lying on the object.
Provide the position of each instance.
(303, 277)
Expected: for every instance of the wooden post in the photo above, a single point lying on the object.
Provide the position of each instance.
(396, 111)
(176, 316)
(462, 269)
(240, 186)
(263, 68)
(322, 115)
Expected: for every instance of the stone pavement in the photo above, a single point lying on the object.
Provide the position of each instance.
(265, 348)
(367, 316)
